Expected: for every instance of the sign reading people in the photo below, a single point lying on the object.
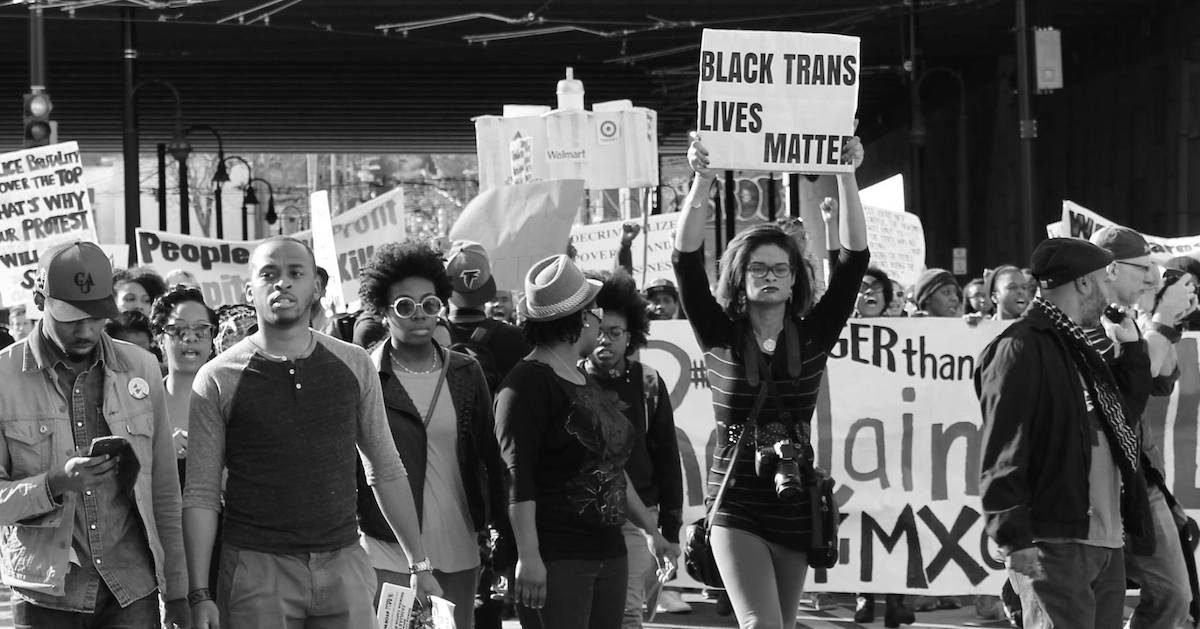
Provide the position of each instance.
(43, 200)
(221, 265)
(776, 101)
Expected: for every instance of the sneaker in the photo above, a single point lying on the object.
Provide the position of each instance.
(671, 602)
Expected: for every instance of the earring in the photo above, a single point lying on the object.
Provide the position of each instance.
(741, 301)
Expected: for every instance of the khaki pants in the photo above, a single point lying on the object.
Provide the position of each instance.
(330, 590)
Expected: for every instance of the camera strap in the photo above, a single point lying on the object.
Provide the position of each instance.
(751, 423)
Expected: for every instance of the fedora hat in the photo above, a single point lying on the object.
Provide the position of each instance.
(555, 288)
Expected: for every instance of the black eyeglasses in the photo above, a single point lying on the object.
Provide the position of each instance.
(615, 333)
(201, 331)
(760, 270)
(406, 307)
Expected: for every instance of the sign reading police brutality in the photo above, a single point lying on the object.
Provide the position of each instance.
(43, 200)
(773, 101)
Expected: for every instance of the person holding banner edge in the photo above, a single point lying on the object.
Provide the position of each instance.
(764, 307)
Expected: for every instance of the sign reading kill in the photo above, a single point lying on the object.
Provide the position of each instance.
(776, 101)
(43, 200)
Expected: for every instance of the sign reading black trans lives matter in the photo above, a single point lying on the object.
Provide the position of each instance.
(774, 101)
(43, 200)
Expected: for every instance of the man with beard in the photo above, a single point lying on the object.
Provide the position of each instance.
(1061, 481)
(286, 411)
(1165, 591)
(89, 541)
(653, 466)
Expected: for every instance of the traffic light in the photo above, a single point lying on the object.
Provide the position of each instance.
(37, 119)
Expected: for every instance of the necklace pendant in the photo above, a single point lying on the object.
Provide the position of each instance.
(768, 345)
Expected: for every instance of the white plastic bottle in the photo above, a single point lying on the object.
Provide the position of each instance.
(570, 92)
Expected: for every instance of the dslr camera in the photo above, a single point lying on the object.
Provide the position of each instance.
(782, 461)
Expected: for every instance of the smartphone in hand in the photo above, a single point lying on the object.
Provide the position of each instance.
(111, 445)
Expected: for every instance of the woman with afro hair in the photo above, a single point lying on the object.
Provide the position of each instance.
(653, 465)
(440, 413)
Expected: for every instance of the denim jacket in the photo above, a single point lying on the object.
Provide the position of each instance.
(36, 437)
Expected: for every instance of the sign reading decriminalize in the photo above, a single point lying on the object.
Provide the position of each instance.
(776, 101)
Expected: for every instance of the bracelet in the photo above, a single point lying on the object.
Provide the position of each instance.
(421, 566)
(198, 595)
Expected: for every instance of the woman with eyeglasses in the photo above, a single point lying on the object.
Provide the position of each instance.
(440, 413)
(763, 329)
(184, 326)
(653, 466)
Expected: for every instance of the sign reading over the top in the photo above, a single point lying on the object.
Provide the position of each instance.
(775, 101)
(43, 200)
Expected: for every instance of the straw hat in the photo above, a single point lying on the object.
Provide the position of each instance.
(555, 288)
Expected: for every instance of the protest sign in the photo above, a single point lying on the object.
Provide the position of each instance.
(1080, 222)
(596, 247)
(609, 148)
(897, 243)
(220, 266)
(777, 101)
(324, 250)
(519, 225)
(906, 457)
(43, 200)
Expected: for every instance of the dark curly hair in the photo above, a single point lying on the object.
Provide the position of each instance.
(396, 261)
(165, 305)
(567, 329)
(129, 322)
(619, 294)
(153, 283)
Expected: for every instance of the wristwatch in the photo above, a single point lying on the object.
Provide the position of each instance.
(421, 566)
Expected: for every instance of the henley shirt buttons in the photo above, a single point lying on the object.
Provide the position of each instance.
(297, 385)
(87, 493)
(93, 527)
(292, 372)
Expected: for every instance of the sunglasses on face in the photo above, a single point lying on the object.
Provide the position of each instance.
(200, 331)
(759, 270)
(406, 307)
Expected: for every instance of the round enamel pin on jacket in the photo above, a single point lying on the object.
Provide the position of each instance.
(139, 388)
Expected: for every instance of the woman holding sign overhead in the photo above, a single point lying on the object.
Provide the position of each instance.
(765, 344)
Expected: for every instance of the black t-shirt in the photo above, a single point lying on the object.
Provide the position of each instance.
(565, 447)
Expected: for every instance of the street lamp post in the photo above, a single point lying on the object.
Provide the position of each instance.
(270, 217)
(247, 190)
(220, 177)
(178, 147)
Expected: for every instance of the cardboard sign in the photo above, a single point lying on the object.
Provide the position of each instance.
(897, 243)
(1080, 222)
(776, 101)
(606, 149)
(220, 266)
(519, 225)
(906, 456)
(43, 200)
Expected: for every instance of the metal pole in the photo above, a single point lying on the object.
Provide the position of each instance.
(129, 143)
(1028, 132)
(916, 202)
(964, 212)
(37, 52)
(185, 222)
(731, 207)
(162, 187)
(220, 211)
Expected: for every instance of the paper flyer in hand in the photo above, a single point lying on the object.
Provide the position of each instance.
(398, 609)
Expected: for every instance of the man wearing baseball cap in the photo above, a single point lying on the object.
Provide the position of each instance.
(90, 540)
(470, 272)
(1061, 507)
(663, 298)
(1165, 592)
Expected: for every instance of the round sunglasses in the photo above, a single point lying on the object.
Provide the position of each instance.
(406, 307)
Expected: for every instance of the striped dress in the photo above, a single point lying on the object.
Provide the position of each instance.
(750, 504)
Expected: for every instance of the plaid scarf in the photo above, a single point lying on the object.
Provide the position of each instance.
(1100, 383)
